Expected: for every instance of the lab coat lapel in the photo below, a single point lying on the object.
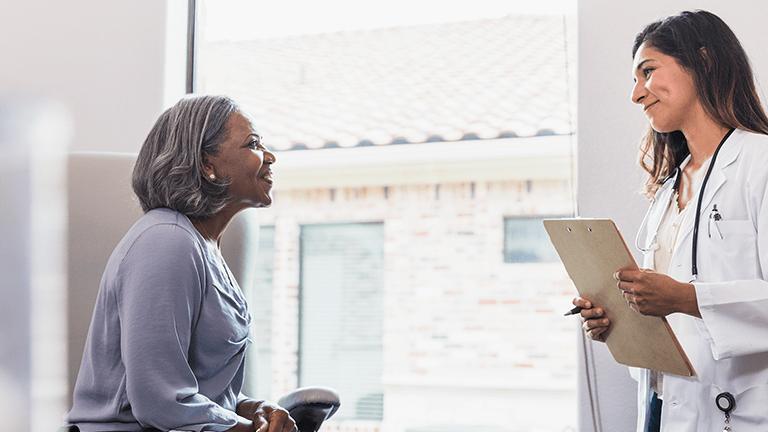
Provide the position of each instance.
(729, 152)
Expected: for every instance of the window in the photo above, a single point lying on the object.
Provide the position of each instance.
(341, 314)
(526, 240)
(474, 128)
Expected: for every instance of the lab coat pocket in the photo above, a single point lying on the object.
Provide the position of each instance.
(749, 412)
(733, 248)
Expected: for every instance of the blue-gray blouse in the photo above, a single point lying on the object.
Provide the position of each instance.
(166, 345)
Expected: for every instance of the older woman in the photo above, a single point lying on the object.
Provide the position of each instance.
(166, 346)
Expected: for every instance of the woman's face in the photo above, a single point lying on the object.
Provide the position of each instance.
(245, 163)
(664, 90)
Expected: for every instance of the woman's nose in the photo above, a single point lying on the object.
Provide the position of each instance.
(269, 157)
(638, 93)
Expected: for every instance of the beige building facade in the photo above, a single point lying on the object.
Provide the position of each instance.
(462, 330)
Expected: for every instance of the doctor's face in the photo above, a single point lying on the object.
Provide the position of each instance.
(664, 90)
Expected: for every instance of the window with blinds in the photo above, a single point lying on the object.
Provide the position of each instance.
(259, 379)
(341, 314)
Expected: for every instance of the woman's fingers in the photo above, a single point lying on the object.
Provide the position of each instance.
(271, 418)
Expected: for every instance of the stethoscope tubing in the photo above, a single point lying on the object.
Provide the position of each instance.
(676, 177)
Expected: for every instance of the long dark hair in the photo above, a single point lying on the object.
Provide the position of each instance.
(705, 47)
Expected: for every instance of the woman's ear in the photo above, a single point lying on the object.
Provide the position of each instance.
(209, 171)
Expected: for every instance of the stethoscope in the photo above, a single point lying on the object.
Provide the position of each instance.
(676, 176)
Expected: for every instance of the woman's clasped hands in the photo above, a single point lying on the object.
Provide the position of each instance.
(265, 417)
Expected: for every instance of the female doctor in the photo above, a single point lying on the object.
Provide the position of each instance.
(705, 237)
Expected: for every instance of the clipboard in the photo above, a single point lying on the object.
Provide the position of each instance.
(592, 250)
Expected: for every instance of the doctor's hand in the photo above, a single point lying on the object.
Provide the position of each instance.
(656, 294)
(594, 322)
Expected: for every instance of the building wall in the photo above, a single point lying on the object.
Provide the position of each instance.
(460, 325)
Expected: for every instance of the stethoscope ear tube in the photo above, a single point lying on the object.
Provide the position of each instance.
(677, 175)
(644, 224)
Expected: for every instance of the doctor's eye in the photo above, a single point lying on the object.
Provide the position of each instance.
(647, 71)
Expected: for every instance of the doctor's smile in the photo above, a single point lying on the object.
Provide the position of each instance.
(647, 107)
(705, 234)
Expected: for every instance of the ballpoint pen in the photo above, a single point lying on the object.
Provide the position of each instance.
(574, 311)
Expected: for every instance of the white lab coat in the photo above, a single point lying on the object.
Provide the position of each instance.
(728, 346)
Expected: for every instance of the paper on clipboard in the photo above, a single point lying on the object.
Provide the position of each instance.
(592, 250)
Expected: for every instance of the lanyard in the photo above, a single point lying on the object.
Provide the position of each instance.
(694, 269)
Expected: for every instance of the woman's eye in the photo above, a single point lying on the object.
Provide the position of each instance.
(647, 72)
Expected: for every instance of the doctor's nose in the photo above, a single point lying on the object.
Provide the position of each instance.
(638, 93)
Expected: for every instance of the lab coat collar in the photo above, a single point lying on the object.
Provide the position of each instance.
(727, 155)
(729, 152)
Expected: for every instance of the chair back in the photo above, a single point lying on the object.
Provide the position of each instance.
(102, 207)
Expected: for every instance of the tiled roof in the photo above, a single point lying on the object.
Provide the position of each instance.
(481, 79)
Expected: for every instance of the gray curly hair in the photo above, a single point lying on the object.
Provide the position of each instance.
(169, 169)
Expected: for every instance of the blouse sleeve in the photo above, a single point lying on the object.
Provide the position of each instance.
(160, 287)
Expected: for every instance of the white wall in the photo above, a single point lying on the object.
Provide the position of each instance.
(105, 60)
(609, 128)
(106, 64)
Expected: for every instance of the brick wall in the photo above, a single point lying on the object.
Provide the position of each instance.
(462, 329)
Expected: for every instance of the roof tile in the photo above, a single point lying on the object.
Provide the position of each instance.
(480, 79)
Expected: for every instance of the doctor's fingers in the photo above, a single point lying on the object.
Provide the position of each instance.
(630, 275)
(622, 274)
(634, 301)
(635, 287)
(638, 282)
(582, 303)
(595, 328)
(597, 312)
(646, 304)
(636, 294)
